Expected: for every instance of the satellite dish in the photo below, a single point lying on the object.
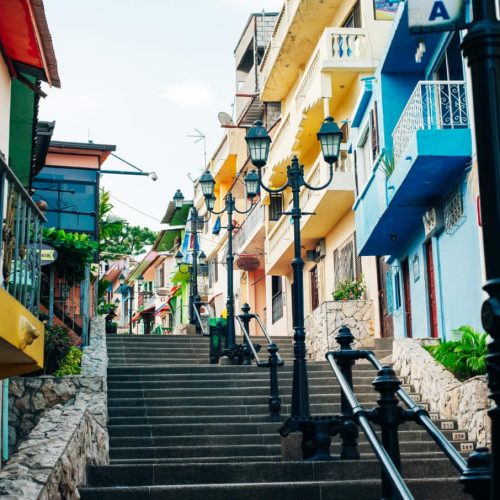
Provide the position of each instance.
(225, 119)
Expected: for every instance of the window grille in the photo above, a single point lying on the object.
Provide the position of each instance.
(314, 288)
(346, 262)
(389, 292)
(276, 298)
(275, 206)
(453, 210)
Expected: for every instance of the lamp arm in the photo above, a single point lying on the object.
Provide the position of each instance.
(271, 190)
(319, 188)
(243, 212)
(215, 212)
(206, 219)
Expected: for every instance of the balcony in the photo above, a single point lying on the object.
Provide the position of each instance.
(329, 206)
(431, 147)
(22, 334)
(347, 53)
(250, 235)
(297, 31)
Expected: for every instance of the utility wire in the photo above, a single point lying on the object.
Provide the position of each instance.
(135, 209)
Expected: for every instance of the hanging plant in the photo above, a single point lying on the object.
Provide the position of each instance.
(74, 251)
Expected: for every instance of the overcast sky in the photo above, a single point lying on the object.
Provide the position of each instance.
(141, 74)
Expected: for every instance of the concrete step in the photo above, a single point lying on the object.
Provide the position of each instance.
(428, 489)
(224, 400)
(223, 411)
(172, 447)
(406, 433)
(259, 472)
(207, 420)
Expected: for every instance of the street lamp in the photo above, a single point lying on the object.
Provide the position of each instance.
(130, 289)
(197, 223)
(207, 183)
(258, 142)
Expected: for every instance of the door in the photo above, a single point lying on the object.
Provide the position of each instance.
(407, 294)
(386, 297)
(314, 288)
(431, 290)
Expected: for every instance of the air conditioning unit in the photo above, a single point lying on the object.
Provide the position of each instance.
(433, 222)
(321, 249)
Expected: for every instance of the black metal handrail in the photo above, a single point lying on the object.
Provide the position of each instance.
(204, 332)
(423, 419)
(474, 472)
(357, 411)
(274, 362)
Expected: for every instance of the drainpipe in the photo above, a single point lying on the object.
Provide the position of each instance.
(5, 420)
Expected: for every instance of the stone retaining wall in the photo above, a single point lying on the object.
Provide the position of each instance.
(323, 324)
(67, 417)
(466, 402)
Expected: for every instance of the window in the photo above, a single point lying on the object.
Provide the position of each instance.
(213, 272)
(397, 291)
(275, 206)
(160, 277)
(276, 298)
(451, 65)
(353, 19)
(314, 288)
(453, 210)
(374, 131)
(346, 262)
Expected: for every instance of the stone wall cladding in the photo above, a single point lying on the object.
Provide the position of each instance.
(466, 402)
(30, 397)
(323, 324)
(59, 425)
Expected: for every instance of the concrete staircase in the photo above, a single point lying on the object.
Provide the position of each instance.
(183, 429)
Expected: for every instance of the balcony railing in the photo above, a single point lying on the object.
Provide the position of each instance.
(20, 241)
(253, 222)
(432, 105)
(348, 44)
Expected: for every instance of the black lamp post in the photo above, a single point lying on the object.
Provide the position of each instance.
(207, 184)
(481, 47)
(197, 223)
(130, 301)
(258, 142)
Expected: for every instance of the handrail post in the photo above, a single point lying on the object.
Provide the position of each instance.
(476, 478)
(245, 319)
(274, 396)
(389, 415)
(349, 431)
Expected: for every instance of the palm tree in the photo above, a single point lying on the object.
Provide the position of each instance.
(110, 226)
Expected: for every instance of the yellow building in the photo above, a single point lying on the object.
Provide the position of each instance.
(315, 65)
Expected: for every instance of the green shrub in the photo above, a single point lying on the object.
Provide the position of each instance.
(465, 356)
(57, 346)
(71, 364)
(105, 308)
(350, 289)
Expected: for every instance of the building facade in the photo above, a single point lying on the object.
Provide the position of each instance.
(417, 197)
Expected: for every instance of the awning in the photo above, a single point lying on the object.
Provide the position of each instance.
(163, 308)
(138, 314)
(26, 39)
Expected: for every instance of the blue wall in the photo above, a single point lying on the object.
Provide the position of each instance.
(457, 275)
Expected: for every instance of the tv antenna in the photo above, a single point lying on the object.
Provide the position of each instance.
(200, 136)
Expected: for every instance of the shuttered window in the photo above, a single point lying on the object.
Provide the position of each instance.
(374, 131)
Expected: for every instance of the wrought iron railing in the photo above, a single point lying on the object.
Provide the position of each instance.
(389, 416)
(20, 241)
(273, 363)
(432, 105)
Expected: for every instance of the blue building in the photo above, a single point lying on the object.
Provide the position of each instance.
(416, 208)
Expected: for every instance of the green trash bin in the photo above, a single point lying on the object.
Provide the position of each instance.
(217, 330)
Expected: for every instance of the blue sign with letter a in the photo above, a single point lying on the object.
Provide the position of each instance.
(436, 15)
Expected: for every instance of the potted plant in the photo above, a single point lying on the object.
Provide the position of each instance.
(350, 289)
